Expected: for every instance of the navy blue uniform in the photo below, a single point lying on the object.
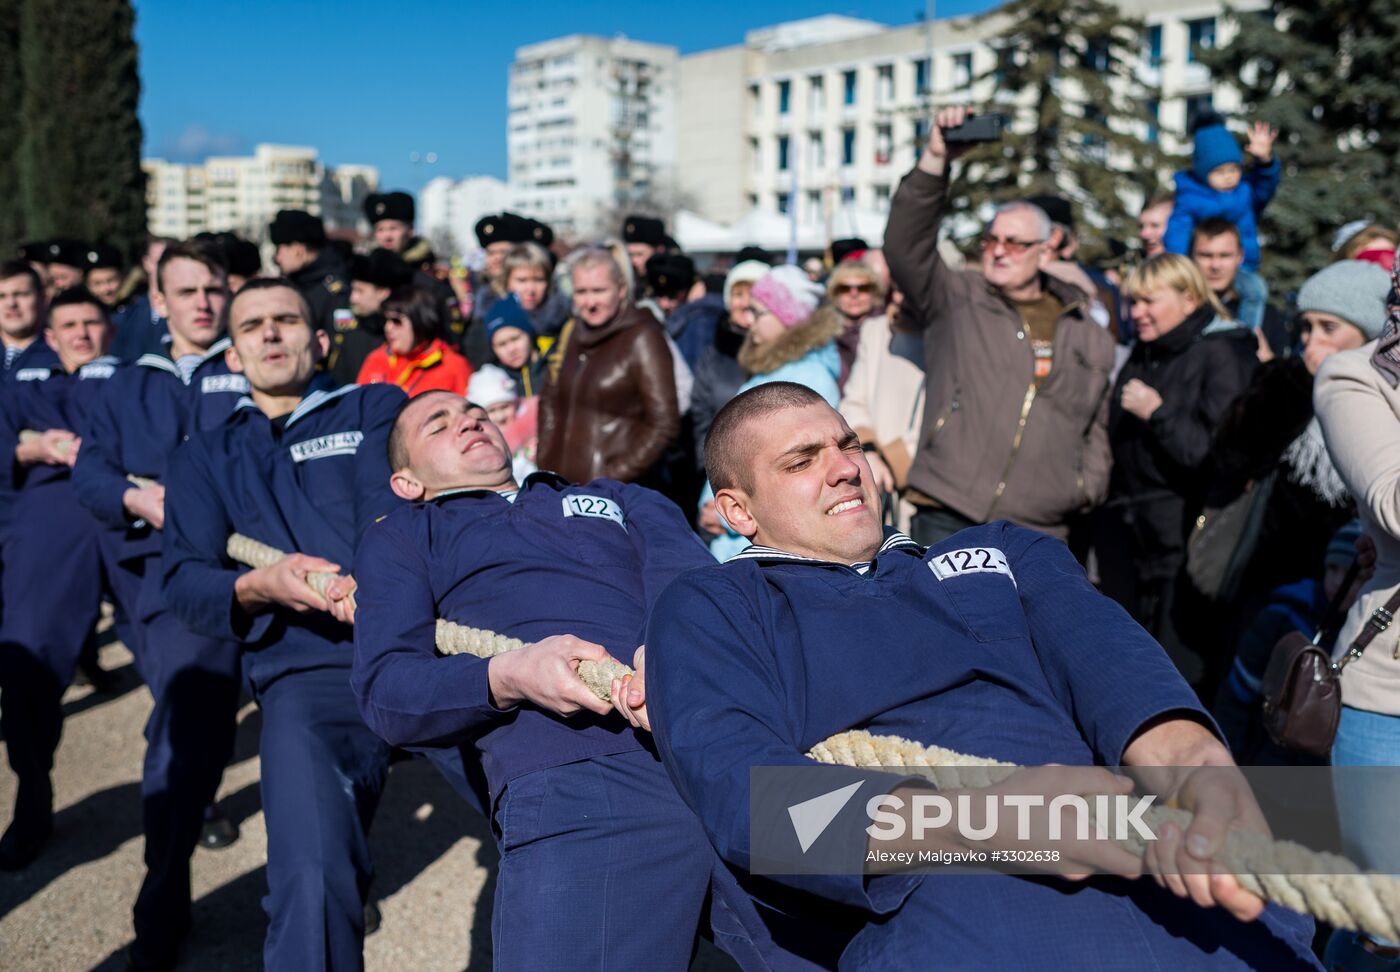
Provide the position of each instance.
(601, 864)
(1006, 653)
(309, 482)
(145, 411)
(54, 584)
(34, 363)
(140, 330)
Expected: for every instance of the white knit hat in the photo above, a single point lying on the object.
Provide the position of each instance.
(489, 386)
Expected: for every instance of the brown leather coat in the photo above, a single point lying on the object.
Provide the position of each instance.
(610, 409)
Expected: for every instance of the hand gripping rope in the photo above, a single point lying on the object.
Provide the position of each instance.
(1277, 871)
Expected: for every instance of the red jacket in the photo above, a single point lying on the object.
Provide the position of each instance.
(431, 367)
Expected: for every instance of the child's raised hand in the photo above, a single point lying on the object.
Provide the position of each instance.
(1261, 141)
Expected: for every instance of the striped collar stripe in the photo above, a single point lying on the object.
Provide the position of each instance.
(894, 540)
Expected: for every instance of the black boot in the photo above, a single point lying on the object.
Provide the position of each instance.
(27, 834)
(218, 831)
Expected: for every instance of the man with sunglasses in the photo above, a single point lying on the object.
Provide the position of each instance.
(1016, 409)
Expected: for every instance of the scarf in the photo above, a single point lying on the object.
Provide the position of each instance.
(1386, 358)
(1310, 464)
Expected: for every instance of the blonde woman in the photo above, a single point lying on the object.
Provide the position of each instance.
(856, 295)
(1189, 364)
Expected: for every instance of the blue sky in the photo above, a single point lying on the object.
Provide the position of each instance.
(372, 82)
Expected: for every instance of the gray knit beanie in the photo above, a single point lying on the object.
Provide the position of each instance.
(1353, 290)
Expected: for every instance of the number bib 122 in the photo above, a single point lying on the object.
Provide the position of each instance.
(970, 560)
(582, 504)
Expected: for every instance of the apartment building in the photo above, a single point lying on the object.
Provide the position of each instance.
(243, 193)
(824, 115)
(592, 129)
(448, 210)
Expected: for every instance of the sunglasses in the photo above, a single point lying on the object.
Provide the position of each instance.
(1013, 247)
(864, 288)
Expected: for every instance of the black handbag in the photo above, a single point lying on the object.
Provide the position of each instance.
(1224, 538)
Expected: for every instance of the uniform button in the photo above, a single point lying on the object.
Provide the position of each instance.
(1020, 335)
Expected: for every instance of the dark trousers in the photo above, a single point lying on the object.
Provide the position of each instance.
(52, 593)
(322, 774)
(602, 866)
(932, 524)
(194, 683)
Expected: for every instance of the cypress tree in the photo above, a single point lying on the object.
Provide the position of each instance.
(1067, 76)
(1324, 73)
(11, 208)
(80, 146)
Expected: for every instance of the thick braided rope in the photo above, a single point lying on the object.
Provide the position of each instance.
(452, 639)
(1278, 871)
(29, 435)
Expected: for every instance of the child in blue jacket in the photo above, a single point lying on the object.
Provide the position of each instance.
(1218, 186)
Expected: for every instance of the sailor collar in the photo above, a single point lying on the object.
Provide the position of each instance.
(316, 398)
(543, 476)
(894, 540)
(163, 362)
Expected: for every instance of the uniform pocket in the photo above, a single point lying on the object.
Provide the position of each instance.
(982, 589)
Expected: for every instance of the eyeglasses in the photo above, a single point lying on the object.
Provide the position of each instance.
(864, 288)
(1013, 247)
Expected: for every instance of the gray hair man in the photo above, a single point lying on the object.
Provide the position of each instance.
(1015, 415)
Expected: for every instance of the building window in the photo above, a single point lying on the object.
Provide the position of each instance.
(784, 202)
(1006, 60)
(962, 71)
(884, 84)
(921, 77)
(816, 151)
(1096, 57)
(1154, 45)
(884, 144)
(1197, 105)
(1154, 112)
(814, 206)
(848, 146)
(753, 153)
(784, 97)
(783, 145)
(1201, 37)
(753, 200)
(882, 198)
(755, 100)
(848, 195)
(920, 134)
(816, 95)
(848, 88)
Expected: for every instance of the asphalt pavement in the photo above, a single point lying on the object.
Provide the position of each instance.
(71, 910)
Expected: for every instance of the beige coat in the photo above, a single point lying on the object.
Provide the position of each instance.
(884, 404)
(1360, 417)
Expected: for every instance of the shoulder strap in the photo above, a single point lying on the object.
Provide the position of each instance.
(1380, 619)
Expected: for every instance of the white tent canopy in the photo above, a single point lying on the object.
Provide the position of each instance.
(773, 231)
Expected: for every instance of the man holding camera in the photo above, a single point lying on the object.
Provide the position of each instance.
(1035, 458)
